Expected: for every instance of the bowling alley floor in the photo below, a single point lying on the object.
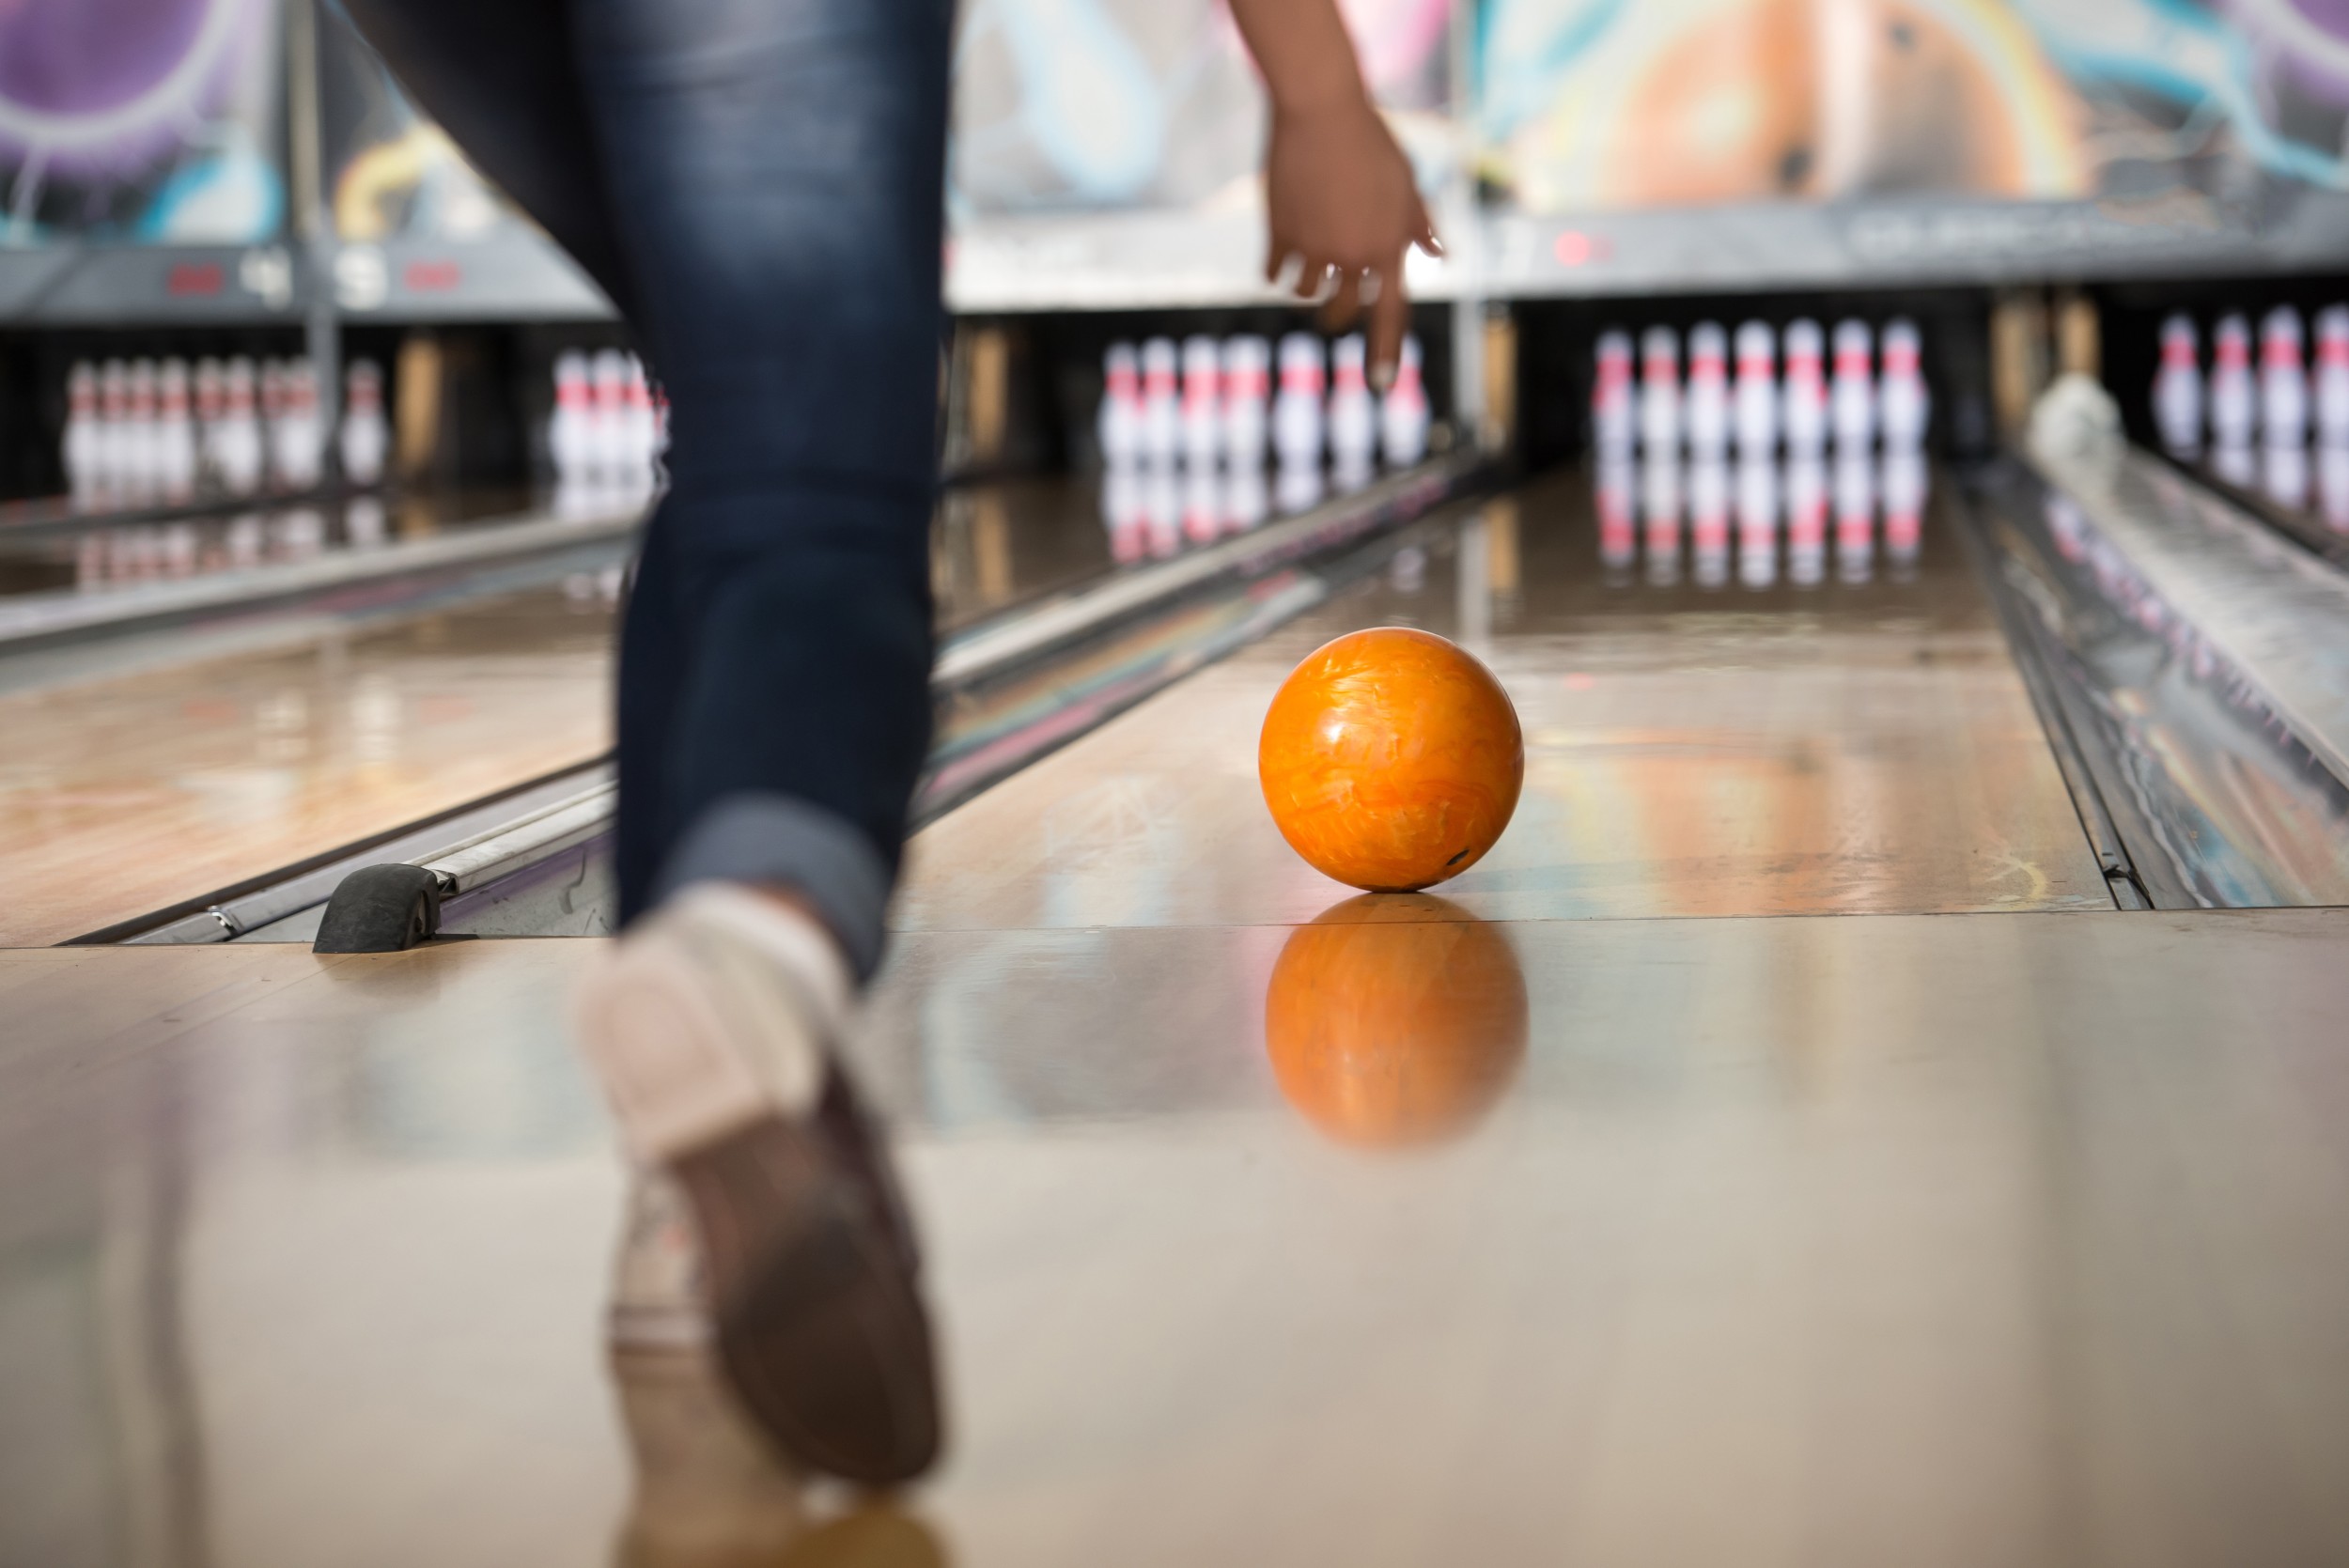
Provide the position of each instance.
(1778, 1150)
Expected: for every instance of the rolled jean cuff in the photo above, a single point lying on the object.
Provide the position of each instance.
(759, 837)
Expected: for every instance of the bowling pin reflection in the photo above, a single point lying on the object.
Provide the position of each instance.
(1162, 509)
(2332, 487)
(1659, 510)
(1351, 473)
(1904, 490)
(1395, 1021)
(1246, 498)
(1854, 516)
(1122, 514)
(1806, 519)
(1202, 505)
(1708, 519)
(2284, 476)
(1757, 522)
(1297, 487)
(2233, 461)
(1618, 531)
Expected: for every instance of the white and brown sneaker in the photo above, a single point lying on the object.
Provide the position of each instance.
(713, 1029)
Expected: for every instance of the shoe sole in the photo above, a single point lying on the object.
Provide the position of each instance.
(817, 1319)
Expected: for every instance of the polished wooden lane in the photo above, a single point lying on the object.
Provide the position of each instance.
(128, 793)
(130, 782)
(1860, 748)
(1973, 1238)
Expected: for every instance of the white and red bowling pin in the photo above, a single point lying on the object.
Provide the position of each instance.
(1403, 413)
(570, 429)
(1803, 407)
(238, 446)
(1353, 418)
(2283, 380)
(1659, 392)
(1614, 419)
(1904, 405)
(1755, 395)
(1202, 404)
(2332, 376)
(1161, 402)
(1708, 408)
(1247, 404)
(2233, 400)
(85, 437)
(2178, 388)
(1853, 390)
(1117, 424)
(174, 432)
(366, 435)
(1297, 409)
(142, 437)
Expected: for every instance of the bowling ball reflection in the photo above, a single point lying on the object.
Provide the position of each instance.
(1395, 1021)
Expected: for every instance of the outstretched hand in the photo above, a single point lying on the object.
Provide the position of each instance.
(1342, 203)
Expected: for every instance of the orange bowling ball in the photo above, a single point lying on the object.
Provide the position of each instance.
(1396, 1021)
(1390, 759)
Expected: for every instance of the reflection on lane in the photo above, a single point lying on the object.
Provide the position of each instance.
(1396, 1019)
(1761, 504)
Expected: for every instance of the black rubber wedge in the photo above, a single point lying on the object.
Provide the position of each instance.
(380, 908)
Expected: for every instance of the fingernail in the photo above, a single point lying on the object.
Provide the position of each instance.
(1381, 376)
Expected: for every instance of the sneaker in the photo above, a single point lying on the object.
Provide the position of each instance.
(713, 1029)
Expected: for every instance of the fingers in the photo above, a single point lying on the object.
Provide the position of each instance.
(1424, 234)
(1312, 278)
(1346, 303)
(1390, 315)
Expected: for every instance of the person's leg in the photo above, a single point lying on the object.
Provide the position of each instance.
(776, 172)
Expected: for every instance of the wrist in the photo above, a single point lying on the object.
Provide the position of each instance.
(1321, 95)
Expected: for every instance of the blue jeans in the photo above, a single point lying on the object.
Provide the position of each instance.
(758, 184)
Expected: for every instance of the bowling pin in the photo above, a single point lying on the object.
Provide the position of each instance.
(2234, 405)
(84, 436)
(1756, 394)
(1247, 397)
(1296, 410)
(1403, 415)
(1353, 420)
(174, 432)
(1203, 402)
(143, 464)
(366, 435)
(211, 408)
(1161, 402)
(238, 447)
(569, 433)
(1853, 392)
(2178, 388)
(1804, 404)
(113, 426)
(1117, 424)
(297, 442)
(1613, 420)
(1707, 409)
(607, 424)
(1659, 391)
(2332, 375)
(1904, 404)
(2283, 380)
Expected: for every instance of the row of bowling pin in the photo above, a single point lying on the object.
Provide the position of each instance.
(160, 552)
(1756, 406)
(143, 431)
(2233, 403)
(1651, 503)
(610, 424)
(2292, 476)
(1214, 402)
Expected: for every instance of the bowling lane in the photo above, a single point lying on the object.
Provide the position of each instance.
(128, 792)
(1858, 743)
(2006, 1238)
